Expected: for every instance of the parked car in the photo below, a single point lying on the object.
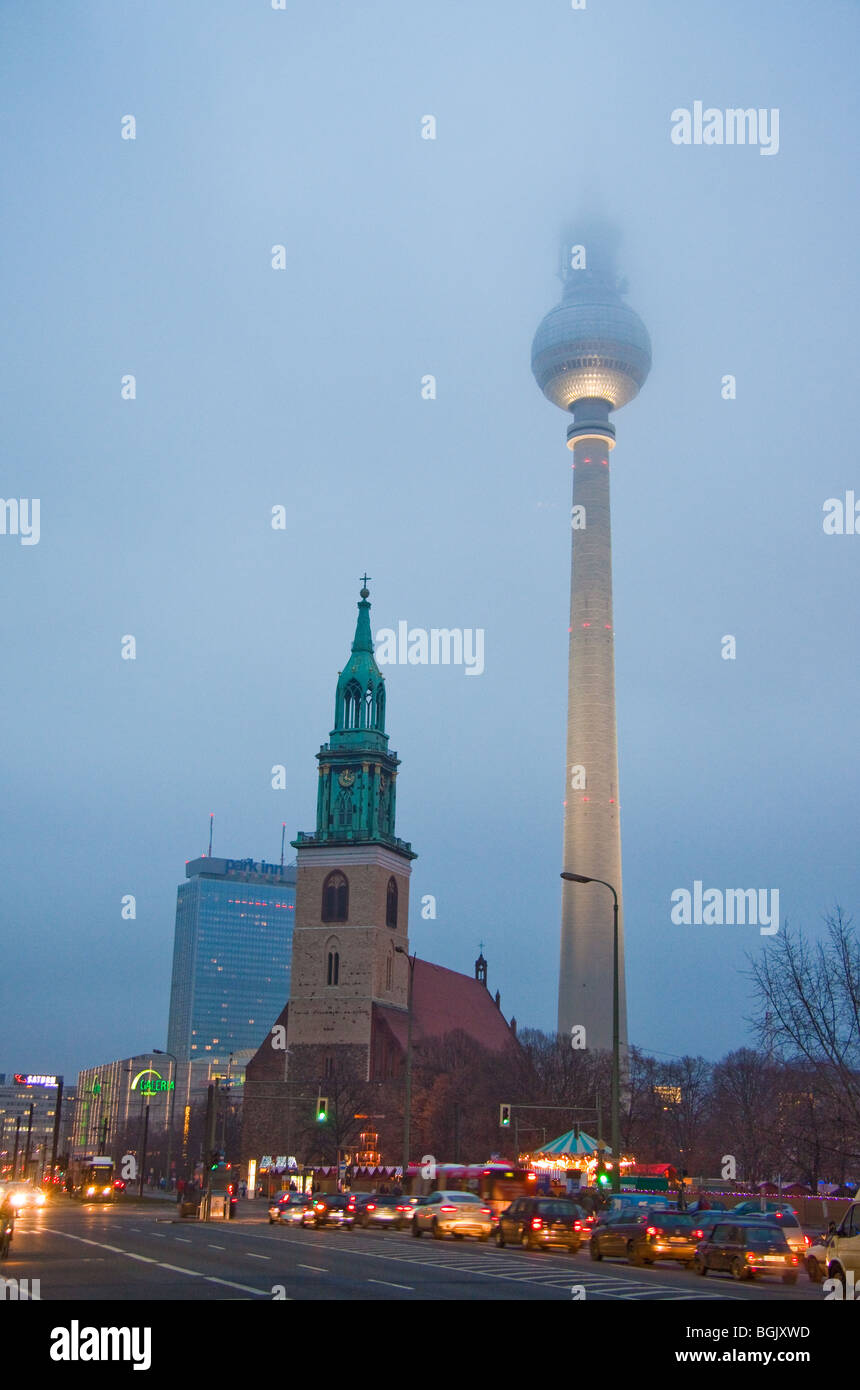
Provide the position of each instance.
(746, 1250)
(288, 1207)
(843, 1246)
(644, 1235)
(330, 1209)
(704, 1222)
(453, 1213)
(538, 1222)
(382, 1209)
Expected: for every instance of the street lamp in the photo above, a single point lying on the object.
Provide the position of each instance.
(407, 1099)
(616, 1061)
(171, 1103)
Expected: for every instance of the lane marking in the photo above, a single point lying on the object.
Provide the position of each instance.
(410, 1288)
(317, 1268)
(184, 1239)
(162, 1264)
(217, 1247)
(251, 1256)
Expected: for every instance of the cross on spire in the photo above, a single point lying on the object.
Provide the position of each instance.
(364, 580)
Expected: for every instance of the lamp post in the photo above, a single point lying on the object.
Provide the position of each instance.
(171, 1103)
(616, 1059)
(407, 1099)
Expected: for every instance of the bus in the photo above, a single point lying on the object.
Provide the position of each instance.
(90, 1177)
(497, 1184)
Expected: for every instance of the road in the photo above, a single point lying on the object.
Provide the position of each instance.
(146, 1252)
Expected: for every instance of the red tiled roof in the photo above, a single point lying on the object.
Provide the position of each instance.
(444, 1001)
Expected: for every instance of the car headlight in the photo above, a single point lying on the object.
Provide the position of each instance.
(90, 1191)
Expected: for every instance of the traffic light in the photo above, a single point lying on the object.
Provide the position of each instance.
(322, 1109)
(505, 1116)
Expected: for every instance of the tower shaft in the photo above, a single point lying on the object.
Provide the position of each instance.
(592, 831)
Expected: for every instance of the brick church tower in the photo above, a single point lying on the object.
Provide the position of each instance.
(352, 891)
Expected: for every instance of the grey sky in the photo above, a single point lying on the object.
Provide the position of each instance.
(257, 387)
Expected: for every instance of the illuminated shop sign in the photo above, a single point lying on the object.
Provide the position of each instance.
(34, 1080)
(149, 1081)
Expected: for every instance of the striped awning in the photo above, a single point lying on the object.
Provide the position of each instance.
(570, 1145)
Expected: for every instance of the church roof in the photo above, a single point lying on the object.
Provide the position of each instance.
(444, 1001)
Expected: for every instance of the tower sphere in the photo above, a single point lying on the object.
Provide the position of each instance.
(591, 346)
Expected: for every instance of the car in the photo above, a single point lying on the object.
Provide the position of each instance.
(746, 1249)
(381, 1209)
(455, 1213)
(843, 1247)
(704, 1222)
(288, 1207)
(644, 1234)
(797, 1241)
(330, 1209)
(816, 1259)
(538, 1222)
(755, 1208)
(24, 1195)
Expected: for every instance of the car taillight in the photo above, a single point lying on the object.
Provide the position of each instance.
(447, 1208)
(404, 1206)
(371, 1206)
(699, 1235)
(794, 1259)
(577, 1225)
(750, 1255)
(536, 1223)
(486, 1211)
(807, 1241)
(653, 1230)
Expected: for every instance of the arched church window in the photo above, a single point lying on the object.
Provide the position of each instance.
(352, 706)
(391, 903)
(344, 808)
(368, 709)
(335, 898)
(332, 967)
(380, 707)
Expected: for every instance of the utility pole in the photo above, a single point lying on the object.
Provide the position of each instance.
(57, 1121)
(27, 1149)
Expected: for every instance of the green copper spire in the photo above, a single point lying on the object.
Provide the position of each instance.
(359, 707)
(358, 775)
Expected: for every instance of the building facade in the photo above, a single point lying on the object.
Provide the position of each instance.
(231, 957)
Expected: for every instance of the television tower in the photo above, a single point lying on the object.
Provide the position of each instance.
(590, 356)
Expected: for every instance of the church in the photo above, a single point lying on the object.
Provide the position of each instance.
(353, 978)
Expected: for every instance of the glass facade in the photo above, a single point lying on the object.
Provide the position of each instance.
(231, 956)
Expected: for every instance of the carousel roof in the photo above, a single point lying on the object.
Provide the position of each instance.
(571, 1145)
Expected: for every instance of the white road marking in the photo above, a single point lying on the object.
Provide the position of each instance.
(184, 1239)
(318, 1269)
(217, 1247)
(162, 1264)
(410, 1288)
(252, 1256)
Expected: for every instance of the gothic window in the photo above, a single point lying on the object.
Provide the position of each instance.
(389, 971)
(380, 707)
(335, 898)
(352, 706)
(368, 709)
(332, 968)
(391, 904)
(344, 808)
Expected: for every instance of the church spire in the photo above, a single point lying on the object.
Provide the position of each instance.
(359, 708)
(358, 774)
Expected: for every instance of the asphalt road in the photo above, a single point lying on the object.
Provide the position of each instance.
(117, 1253)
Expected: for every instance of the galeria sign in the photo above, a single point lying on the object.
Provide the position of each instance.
(149, 1081)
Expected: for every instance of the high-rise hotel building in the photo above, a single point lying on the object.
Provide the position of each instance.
(231, 956)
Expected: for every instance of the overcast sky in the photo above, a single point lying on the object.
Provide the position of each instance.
(301, 387)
